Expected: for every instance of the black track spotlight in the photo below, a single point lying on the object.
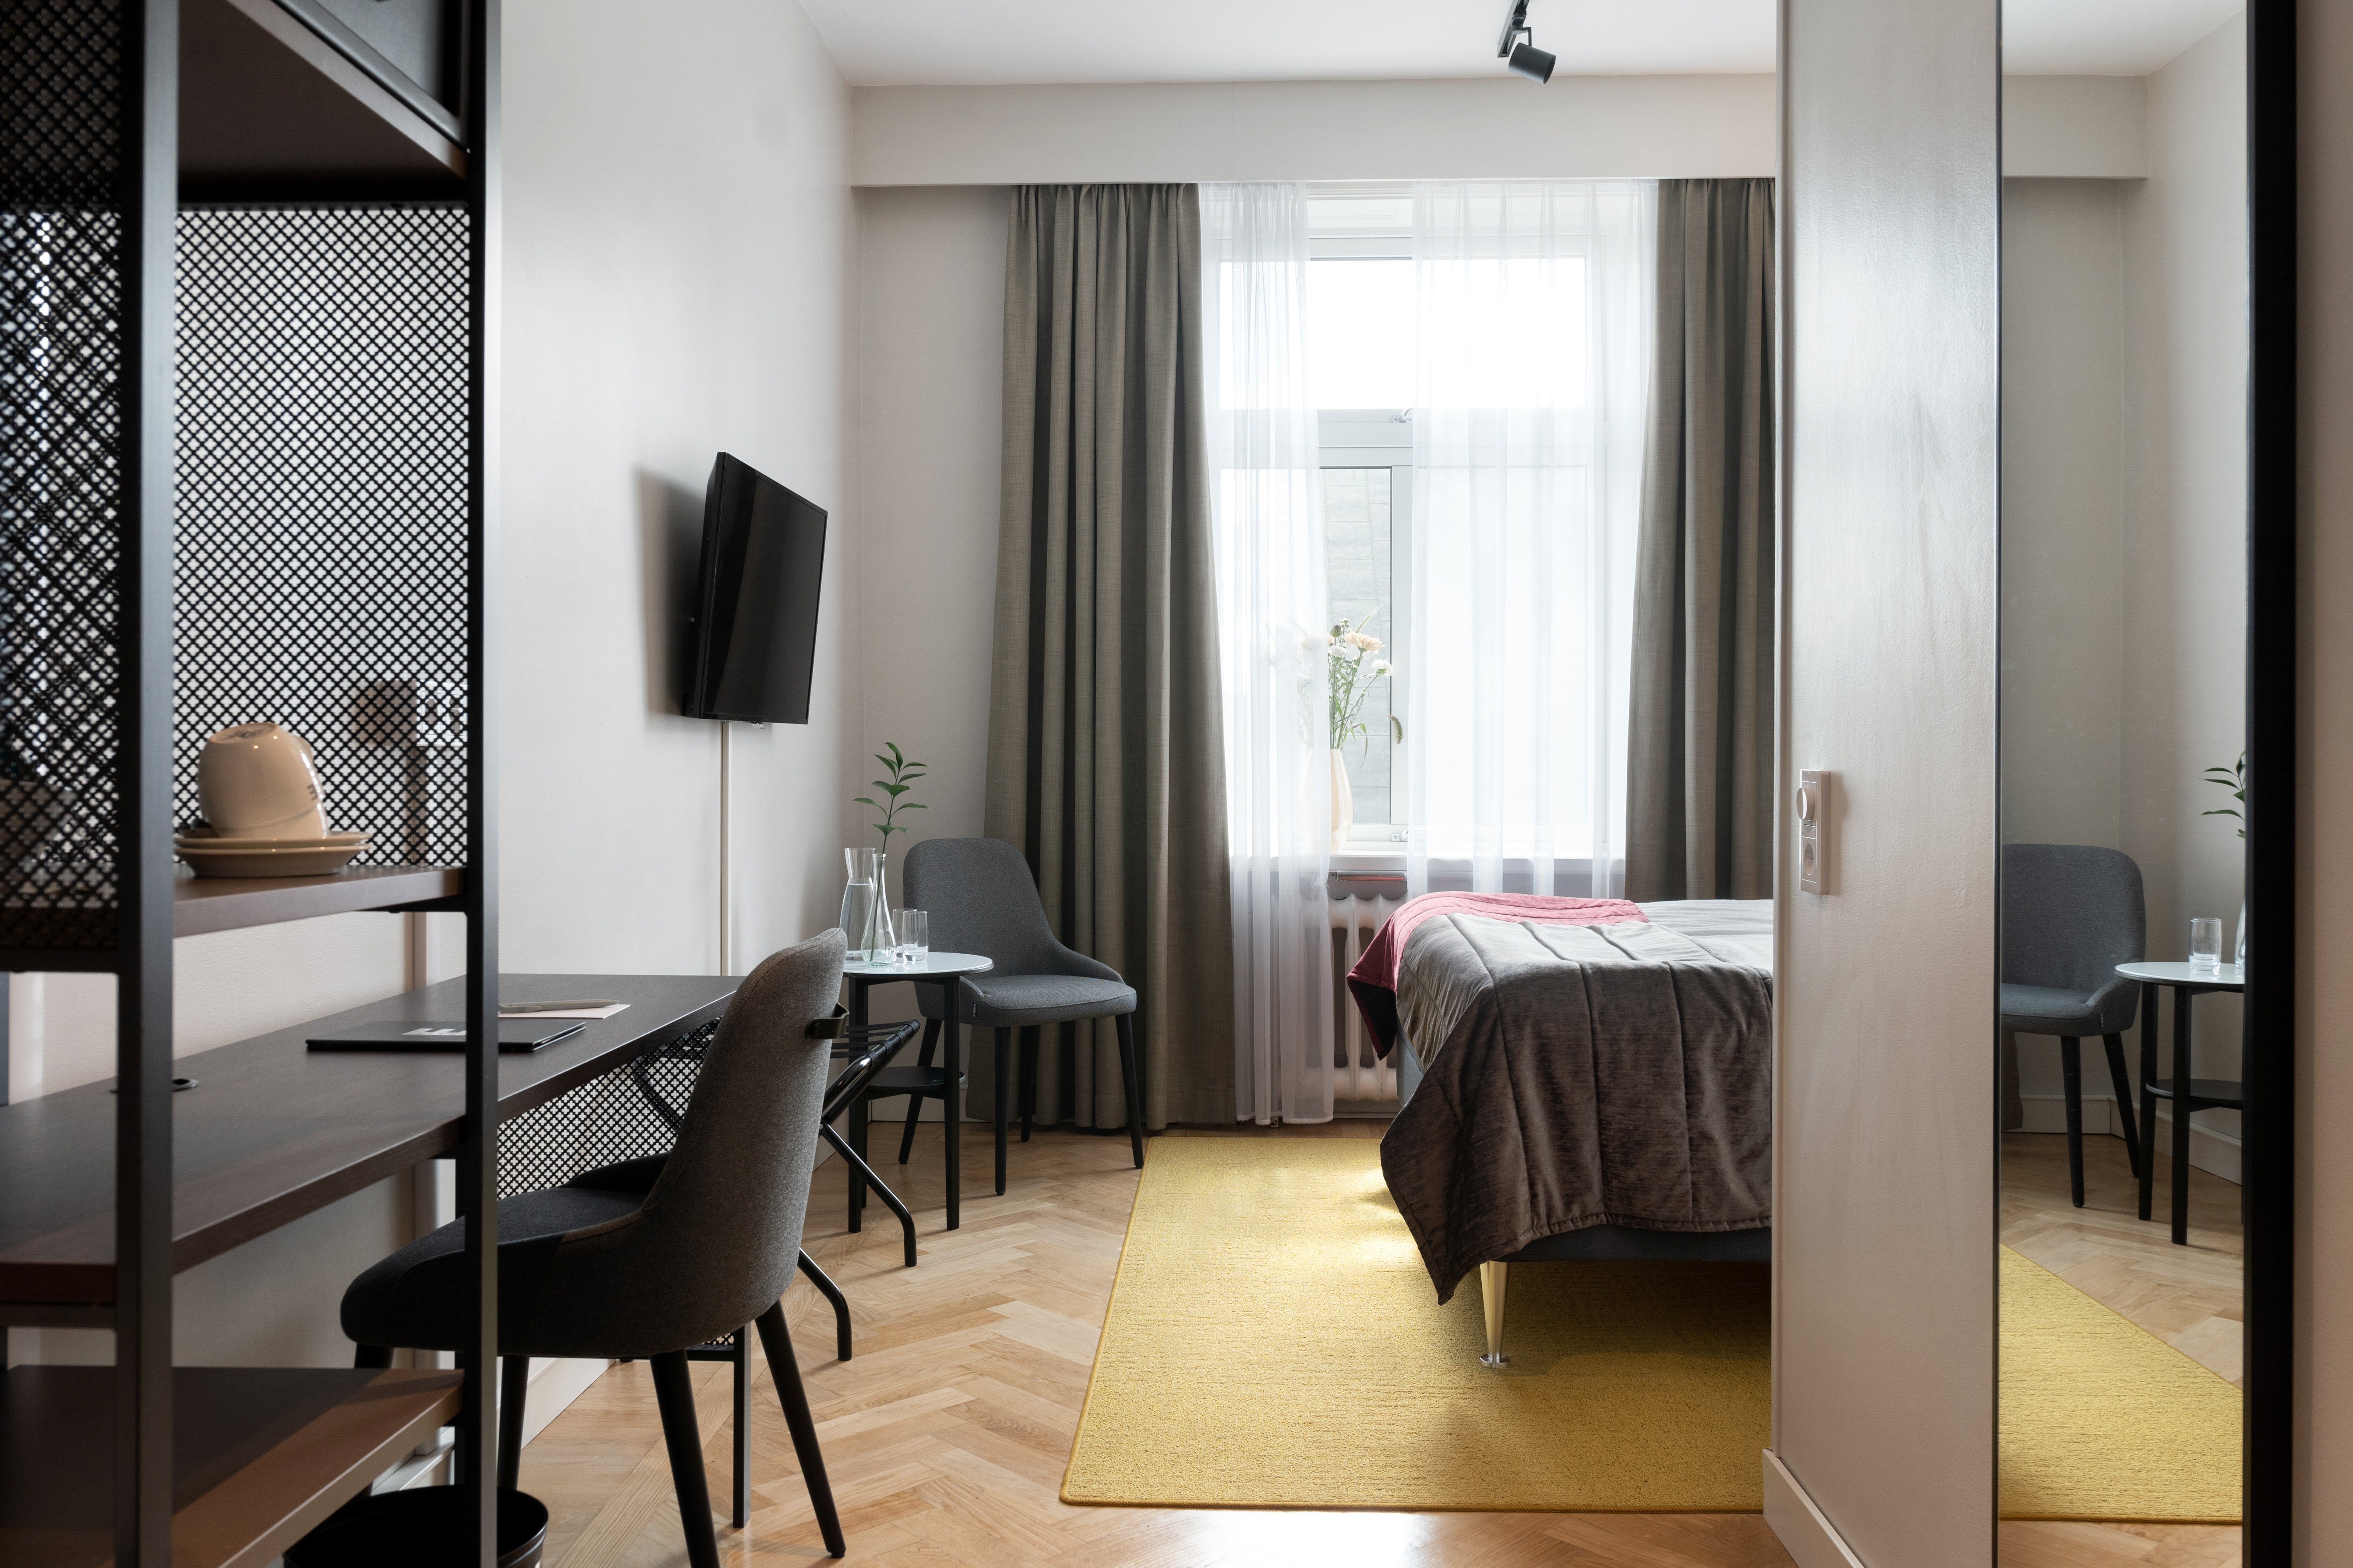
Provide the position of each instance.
(1519, 46)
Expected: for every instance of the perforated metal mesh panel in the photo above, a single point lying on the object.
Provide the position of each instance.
(323, 477)
(629, 1112)
(62, 505)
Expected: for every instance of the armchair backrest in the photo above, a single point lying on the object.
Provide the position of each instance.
(2070, 914)
(982, 900)
(719, 1235)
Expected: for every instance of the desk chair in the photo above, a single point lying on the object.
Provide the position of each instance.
(2070, 914)
(982, 900)
(645, 1258)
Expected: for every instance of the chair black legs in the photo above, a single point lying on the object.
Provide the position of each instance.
(366, 1357)
(741, 1513)
(832, 1292)
(1029, 1077)
(2071, 1069)
(1134, 1080)
(674, 1392)
(915, 1101)
(2122, 1085)
(787, 1373)
(514, 1384)
(1004, 1093)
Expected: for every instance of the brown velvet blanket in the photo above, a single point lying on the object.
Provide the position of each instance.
(1575, 1076)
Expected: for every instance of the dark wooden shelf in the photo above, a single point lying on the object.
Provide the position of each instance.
(267, 100)
(273, 1131)
(259, 1456)
(205, 904)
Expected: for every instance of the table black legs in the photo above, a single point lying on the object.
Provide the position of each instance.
(861, 1173)
(1004, 1096)
(2184, 1090)
(2071, 1075)
(2148, 1096)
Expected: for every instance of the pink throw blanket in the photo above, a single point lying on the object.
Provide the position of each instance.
(1373, 982)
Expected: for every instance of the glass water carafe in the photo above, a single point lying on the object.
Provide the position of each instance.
(865, 908)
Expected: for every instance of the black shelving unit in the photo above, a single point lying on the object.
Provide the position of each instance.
(248, 315)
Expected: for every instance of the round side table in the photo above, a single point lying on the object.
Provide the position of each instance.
(2188, 981)
(945, 969)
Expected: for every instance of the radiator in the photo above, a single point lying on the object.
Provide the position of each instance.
(1359, 1077)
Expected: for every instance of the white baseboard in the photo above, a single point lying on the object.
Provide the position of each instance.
(2213, 1151)
(1791, 1515)
(554, 1385)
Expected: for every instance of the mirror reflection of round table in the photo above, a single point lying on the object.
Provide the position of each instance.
(2188, 981)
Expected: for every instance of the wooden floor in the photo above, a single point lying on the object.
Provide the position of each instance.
(2191, 1297)
(945, 1438)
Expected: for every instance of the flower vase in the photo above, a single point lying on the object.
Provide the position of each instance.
(1344, 800)
(2241, 959)
(881, 940)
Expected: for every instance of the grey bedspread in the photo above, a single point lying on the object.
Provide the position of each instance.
(1575, 1076)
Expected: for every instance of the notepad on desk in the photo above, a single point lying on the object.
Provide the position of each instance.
(592, 1009)
(434, 1034)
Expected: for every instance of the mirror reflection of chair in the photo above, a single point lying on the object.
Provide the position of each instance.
(2070, 914)
(647, 1258)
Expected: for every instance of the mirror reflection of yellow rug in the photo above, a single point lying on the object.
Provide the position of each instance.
(1272, 1341)
(2101, 1419)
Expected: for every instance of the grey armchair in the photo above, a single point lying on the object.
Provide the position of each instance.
(643, 1259)
(2070, 914)
(983, 900)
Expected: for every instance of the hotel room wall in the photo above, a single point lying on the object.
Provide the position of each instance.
(1883, 1181)
(2124, 468)
(678, 228)
(2185, 468)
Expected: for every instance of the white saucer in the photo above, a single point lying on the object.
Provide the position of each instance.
(216, 841)
(240, 858)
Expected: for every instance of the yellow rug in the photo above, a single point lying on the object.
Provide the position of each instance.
(1272, 1341)
(2101, 1419)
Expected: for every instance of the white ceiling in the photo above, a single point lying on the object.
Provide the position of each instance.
(894, 42)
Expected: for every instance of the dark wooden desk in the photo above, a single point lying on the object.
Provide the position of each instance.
(274, 1131)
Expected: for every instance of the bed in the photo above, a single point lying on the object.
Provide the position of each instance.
(1594, 1082)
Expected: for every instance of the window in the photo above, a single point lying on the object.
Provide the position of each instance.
(1360, 357)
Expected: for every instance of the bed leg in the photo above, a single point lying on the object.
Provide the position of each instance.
(1490, 1292)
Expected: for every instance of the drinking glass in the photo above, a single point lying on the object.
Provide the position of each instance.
(914, 936)
(2205, 941)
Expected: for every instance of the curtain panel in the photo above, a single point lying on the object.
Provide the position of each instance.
(1532, 382)
(1272, 608)
(1700, 751)
(1105, 744)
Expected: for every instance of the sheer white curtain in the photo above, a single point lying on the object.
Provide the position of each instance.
(1271, 606)
(1531, 384)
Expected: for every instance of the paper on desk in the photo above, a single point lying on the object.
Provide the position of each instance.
(604, 1012)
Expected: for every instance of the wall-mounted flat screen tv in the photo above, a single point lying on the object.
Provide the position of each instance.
(754, 631)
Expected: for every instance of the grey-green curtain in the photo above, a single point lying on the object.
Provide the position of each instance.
(1106, 759)
(1699, 807)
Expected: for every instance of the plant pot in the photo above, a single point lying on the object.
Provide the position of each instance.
(423, 1525)
(1344, 800)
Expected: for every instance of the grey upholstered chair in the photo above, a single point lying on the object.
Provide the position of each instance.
(983, 900)
(643, 1259)
(2070, 914)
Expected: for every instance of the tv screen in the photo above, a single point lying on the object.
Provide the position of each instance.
(755, 633)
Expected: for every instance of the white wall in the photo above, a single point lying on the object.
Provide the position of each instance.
(679, 233)
(1884, 1179)
(2186, 473)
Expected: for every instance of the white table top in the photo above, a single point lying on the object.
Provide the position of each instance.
(2220, 977)
(934, 966)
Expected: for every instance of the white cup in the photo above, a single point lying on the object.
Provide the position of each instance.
(259, 781)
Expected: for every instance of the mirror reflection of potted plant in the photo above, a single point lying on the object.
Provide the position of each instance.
(2234, 779)
(1353, 664)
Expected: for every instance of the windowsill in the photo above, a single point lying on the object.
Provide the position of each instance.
(1369, 860)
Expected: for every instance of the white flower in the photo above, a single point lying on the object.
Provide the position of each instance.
(1382, 666)
(1368, 643)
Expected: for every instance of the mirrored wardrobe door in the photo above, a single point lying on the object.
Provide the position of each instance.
(2124, 619)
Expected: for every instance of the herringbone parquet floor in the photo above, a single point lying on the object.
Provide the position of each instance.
(946, 1436)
